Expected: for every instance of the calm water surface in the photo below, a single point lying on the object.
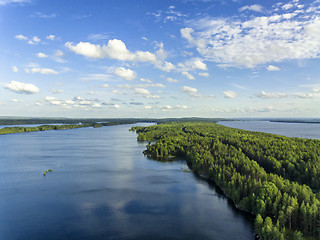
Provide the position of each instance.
(103, 187)
(302, 130)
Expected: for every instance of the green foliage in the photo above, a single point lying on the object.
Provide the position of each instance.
(275, 178)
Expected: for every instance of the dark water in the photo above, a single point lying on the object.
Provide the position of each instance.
(302, 130)
(102, 187)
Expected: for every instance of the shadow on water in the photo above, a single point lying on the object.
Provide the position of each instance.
(248, 218)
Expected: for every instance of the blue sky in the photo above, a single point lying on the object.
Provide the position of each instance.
(142, 58)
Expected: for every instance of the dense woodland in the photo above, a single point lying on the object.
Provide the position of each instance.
(8, 130)
(275, 178)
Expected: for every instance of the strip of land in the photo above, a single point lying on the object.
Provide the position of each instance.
(275, 178)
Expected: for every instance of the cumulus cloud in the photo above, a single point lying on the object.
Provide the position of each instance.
(115, 49)
(58, 56)
(254, 7)
(145, 93)
(42, 55)
(77, 102)
(21, 37)
(188, 75)
(45, 71)
(192, 64)
(273, 68)
(248, 42)
(97, 76)
(191, 91)
(35, 40)
(170, 79)
(15, 69)
(165, 66)
(181, 106)
(7, 2)
(204, 74)
(264, 94)
(118, 92)
(51, 37)
(126, 74)
(230, 94)
(20, 87)
(145, 80)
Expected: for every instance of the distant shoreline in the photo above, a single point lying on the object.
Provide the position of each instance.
(295, 121)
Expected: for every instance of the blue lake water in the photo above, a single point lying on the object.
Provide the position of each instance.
(103, 187)
(302, 130)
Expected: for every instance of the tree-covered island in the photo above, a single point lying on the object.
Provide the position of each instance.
(275, 178)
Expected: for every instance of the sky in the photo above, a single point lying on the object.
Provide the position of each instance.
(160, 58)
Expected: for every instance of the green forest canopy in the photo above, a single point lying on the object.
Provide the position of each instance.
(276, 178)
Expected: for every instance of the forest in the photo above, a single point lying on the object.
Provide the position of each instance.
(275, 178)
(17, 129)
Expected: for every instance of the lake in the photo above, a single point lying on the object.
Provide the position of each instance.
(301, 130)
(103, 187)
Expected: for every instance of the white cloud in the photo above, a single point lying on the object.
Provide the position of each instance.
(36, 39)
(7, 2)
(77, 102)
(42, 55)
(189, 90)
(142, 91)
(264, 94)
(115, 49)
(169, 79)
(169, 15)
(165, 66)
(158, 85)
(145, 93)
(188, 75)
(126, 74)
(15, 69)
(97, 76)
(148, 107)
(145, 80)
(105, 85)
(118, 92)
(116, 106)
(254, 7)
(195, 63)
(58, 53)
(20, 87)
(204, 74)
(15, 100)
(43, 15)
(58, 56)
(182, 106)
(250, 41)
(45, 71)
(21, 37)
(230, 94)
(273, 68)
(50, 37)
(287, 6)
(198, 64)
